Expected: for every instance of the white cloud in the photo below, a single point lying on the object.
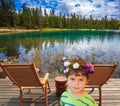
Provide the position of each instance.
(96, 8)
(63, 8)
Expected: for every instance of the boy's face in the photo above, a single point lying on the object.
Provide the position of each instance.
(77, 83)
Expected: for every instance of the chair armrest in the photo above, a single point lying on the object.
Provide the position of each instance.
(46, 76)
(45, 79)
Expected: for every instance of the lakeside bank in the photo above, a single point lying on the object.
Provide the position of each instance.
(22, 30)
(4, 31)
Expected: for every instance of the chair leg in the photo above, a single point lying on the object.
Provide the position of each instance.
(43, 88)
(48, 86)
(46, 94)
(29, 90)
(21, 97)
(100, 96)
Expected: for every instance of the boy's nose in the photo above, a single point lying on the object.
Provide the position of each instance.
(77, 82)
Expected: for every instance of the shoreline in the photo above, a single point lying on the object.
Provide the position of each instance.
(4, 31)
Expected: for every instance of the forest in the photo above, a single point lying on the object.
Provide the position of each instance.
(38, 18)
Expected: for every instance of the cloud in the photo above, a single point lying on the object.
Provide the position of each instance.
(37, 3)
(96, 8)
(77, 5)
(63, 8)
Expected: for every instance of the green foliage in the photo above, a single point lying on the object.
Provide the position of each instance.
(37, 18)
(2, 49)
(7, 11)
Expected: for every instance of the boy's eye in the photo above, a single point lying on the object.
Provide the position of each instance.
(81, 79)
(72, 79)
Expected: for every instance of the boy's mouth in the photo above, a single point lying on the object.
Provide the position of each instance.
(76, 87)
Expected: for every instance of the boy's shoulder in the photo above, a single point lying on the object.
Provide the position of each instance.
(65, 93)
(86, 99)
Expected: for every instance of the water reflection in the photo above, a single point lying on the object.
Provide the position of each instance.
(95, 46)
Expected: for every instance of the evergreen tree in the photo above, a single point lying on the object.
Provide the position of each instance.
(37, 18)
(7, 11)
(40, 18)
(46, 20)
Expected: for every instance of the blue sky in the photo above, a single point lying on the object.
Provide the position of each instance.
(96, 8)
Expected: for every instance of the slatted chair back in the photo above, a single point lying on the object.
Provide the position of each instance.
(102, 74)
(26, 76)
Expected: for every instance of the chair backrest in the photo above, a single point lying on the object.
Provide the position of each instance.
(22, 74)
(102, 73)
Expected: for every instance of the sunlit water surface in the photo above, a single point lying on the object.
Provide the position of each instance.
(50, 47)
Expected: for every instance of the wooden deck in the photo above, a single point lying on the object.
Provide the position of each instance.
(9, 94)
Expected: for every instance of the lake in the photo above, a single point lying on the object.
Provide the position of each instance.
(47, 49)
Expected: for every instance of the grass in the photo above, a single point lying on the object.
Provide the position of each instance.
(5, 30)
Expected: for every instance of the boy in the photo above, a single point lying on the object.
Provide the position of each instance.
(77, 73)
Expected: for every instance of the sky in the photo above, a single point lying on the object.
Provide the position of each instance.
(97, 8)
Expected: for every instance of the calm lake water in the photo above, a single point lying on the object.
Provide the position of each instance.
(50, 47)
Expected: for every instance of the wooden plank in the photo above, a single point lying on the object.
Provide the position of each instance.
(9, 93)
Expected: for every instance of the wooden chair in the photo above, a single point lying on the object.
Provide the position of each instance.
(102, 74)
(25, 76)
